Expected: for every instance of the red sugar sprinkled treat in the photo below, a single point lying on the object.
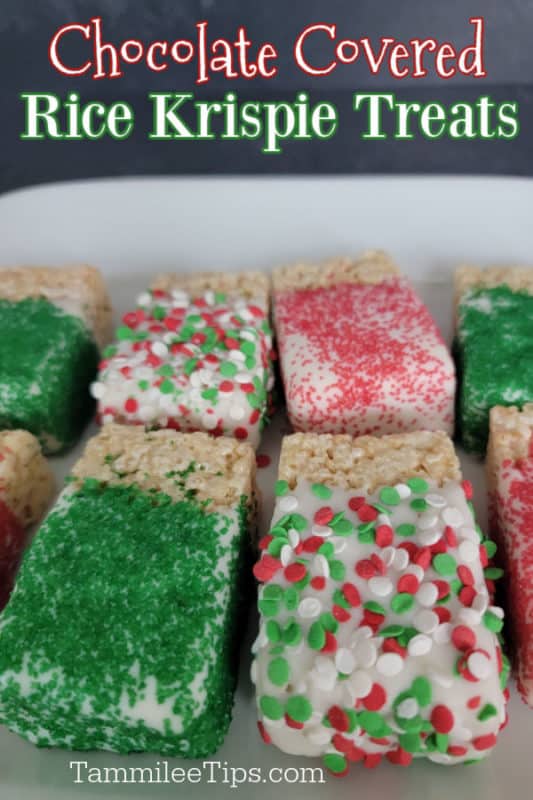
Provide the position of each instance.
(195, 355)
(510, 478)
(366, 649)
(26, 487)
(359, 352)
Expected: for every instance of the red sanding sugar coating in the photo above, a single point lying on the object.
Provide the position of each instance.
(512, 517)
(363, 359)
(12, 542)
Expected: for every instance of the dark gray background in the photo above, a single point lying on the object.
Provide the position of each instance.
(26, 27)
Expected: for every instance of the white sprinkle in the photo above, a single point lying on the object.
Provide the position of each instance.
(248, 335)
(321, 565)
(435, 500)
(427, 595)
(427, 520)
(360, 684)
(285, 555)
(480, 603)
(364, 632)
(209, 421)
(401, 559)
(242, 377)
(403, 490)
(365, 653)
(383, 519)
(319, 736)
(339, 544)
(469, 616)
(463, 734)
(253, 671)
(389, 664)
(146, 413)
(323, 664)
(426, 621)
(294, 537)
(470, 534)
(159, 349)
(419, 645)
(288, 503)
(209, 297)
(497, 611)
(429, 537)
(107, 418)
(380, 586)
(417, 571)
(309, 607)
(344, 661)
(442, 634)
(479, 665)
(324, 676)
(408, 708)
(237, 355)
(98, 390)
(387, 555)
(452, 516)
(439, 677)
(236, 412)
(144, 299)
(321, 530)
(468, 551)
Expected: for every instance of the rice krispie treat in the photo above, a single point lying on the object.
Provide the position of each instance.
(493, 345)
(26, 487)
(359, 351)
(52, 323)
(194, 355)
(510, 477)
(377, 636)
(123, 629)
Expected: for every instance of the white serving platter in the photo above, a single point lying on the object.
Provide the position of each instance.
(133, 228)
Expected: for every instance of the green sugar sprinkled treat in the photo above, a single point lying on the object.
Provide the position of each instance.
(52, 323)
(493, 346)
(123, 631)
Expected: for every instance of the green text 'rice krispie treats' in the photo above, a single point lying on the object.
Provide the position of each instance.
(52, 323)
(493, 345)
(122, 631)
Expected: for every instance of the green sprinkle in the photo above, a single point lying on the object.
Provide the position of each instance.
(299, 708)
(487, 712)
(410, 742)
(402, 602)
(390, 496)
(326, 550)
(124, 333)
(418, 485)
(292, 634)
(91, 484)
(374, 607)
(352, 717)
(329, 622)
(419, 504)
(444, 564)
(406, 529)
(456, 585)
(278, 671)
(272, 591)
(248, 348)
(299, 522)
(316, 638)
(143, 385)
(340, 600)
(166, 371)
(492, 622)
(210, 394)
(228, 369)
(281, 488)
(493, 573)
(367, 536)
(321, 491)
(374, 723)
(391, 631)
(273, 631)
(335, 762)
(271, 707)
(269, 608)
(337, 570)
(190, 365)
(490, 547)
(166, 386)
(343, 527)
(277, 650)
(422, 691)
(442, 741)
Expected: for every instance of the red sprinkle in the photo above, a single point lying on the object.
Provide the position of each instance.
(367, 513)
(449, 535)
(341, 614)
(468, 490)
(312, 543)
(408, 583)
(338, 719)
(324, 515)
(467, 595)
(376, 698)
(443, 613)
(391, 645)
(295, 572)
(465, 575)
(443, 588)
(351, 594)
(442, 719)
(365, 568)
(463, 637)
(240, 433)
(331, 643)
(318, 583)
(262, 460)
(474, 702)
(264, 735)
(372, 760)
(131, 405)
(384, 535)
(225, 386)
(457, 750)
(423, 558)
(484, 742)
(291, 723)
(355, 503)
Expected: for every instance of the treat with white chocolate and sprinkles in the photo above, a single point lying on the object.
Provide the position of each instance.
(52, 323)
(26, 487)
(378, 636)
(359, 351)
(194, 355)
(493, 346)
(122, 632)
(510, 479)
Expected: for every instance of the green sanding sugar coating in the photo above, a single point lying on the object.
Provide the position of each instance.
(47, 360)
(494, 351)
(122, 632)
